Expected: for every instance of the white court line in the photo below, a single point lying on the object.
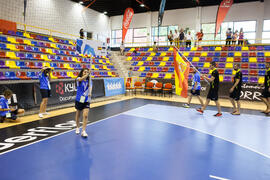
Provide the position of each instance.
(233, 142)
(68, 131)
(216, 177)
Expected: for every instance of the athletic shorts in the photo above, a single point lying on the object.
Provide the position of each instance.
(235, 95)
(13, 116)
(265, 94)
(212, 95)
(45, 93)
(196, 93)
(80, 106)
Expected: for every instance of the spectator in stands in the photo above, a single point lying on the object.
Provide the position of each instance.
(199, 37)
(176, 38)
(122, 49)
(241, 37)
(235, 90)
(45, 89)
(6, 112)
(182, 38)
(170, 37)
(266, 91)
(81, 33)
(188, 38)
(196, 88)
(155, 48)
(130, 74)
(228, 36)
(213, 91)
(234, 37)
(82, 102)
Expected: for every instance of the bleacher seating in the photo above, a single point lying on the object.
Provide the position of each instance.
(23, 54)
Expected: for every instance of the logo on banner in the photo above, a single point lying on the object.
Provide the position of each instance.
(126, 21)
(59, 88)
(223, 9)
(114, 86)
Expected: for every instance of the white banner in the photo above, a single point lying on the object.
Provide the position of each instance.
(91, 47)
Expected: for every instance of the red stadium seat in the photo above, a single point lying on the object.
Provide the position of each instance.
(252, 54)
(237, 59)
(244, 66)
(209, 59)
(19, 40)
(38, 57)
(197, 54)
(224, 54)
(221, 71)
(22, 75)
(2, 54)
(20, 47)
(253, 72)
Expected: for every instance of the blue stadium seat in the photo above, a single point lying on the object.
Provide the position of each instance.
(228, 72)
(244, 59)
(147, 69)
(212, 48)
(230, 54)
(245, 79)
(3, 39)
(216, 59)
(20, 34)
(217, 54)
(29, 56)
(11, 75)
(32, 75)
(35, 43)
(21, 64)
(200, 64)
(143, 75)
(3, 46)
(261, 66)
(261, 72)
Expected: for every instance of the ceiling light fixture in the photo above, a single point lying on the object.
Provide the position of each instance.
(81, 2)
(105, 12)
(142, 5)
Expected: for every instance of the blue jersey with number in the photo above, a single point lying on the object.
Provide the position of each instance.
(82, 90)
(44, 81)
(3, 105)
(196, 78)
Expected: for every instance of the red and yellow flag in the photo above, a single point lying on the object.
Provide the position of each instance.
(181, 71)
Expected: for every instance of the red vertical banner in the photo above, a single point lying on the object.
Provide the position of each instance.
(126, 21)
(223, 9)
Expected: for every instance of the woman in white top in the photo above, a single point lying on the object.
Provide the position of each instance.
(176, 38)
(188, 38)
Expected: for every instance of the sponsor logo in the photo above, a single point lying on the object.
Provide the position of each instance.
(59, 88)
(129, 14)
(226, 4)
(114, 86)
(62, 88)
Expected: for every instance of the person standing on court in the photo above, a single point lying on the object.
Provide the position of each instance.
(176, 38)
(196, 88)
(82, 102)
(235, 91)
(229, 36)
(45, 89)
(266, 91)
(213, 91)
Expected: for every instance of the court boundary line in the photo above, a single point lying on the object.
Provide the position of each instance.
(201, 131)
(216, 177)
(73, 129)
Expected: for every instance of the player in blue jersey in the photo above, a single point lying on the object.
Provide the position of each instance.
(196, 88)
(45, 89)
(82, 103)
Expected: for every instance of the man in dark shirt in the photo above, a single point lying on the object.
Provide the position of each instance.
(235, 90)
(266, 92)
(81, 34)
(213, 91)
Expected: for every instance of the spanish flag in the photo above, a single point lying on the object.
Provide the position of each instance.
(181, 71)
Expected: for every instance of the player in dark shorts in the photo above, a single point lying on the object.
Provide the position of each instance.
(235, 90)
(213, 91)
(266, 91)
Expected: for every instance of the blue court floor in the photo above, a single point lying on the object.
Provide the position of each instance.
(152, 142)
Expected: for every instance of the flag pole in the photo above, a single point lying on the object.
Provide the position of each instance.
(191, 64)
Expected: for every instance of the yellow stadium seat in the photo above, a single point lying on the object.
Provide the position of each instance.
(166, 59)
(12, 65)
(131, 49)
(49, 51)
(142, 68)
(168, 76)
(206, 65)
(149, 58)
(229, 59)
(93, 67)
(12, 47)
(71, 42)
(108, 62)
(12, 40)
(45, 57)
(75, 59)
(152, 54)
(186, 54)
(11, 55)
(70, 74)
(129, 58)
(140, 63)
(105, 67)
(204, 54)
(245, 49)
(54, 46)
(195, 59)
(218, 49)
(253, 59)
(220, 78)
(267, 54)
(27, 42)
(27, 35)
(162, 64)
(170, 49)
(52, 39)
(110, 74)
(193, 49)
(237, 54)
(229, 65)
(67, 66)
(52, 76)
(46, 64)
(261, 80)
(163, 54)
(155, 75)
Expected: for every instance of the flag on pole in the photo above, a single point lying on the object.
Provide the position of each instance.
(223, 9)
(24, 8)
(160, 14)
(181, 71)
(126, 22)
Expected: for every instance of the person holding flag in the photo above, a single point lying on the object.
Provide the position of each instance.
(213, 91)
(196, 88)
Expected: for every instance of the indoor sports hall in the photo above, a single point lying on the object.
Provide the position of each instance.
(135, 90)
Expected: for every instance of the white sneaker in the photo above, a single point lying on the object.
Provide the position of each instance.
(84, 134)
(77, 131)
(46, 113)
(186, 106)
(40, 115)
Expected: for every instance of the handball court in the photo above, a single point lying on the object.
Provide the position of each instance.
(140, 139)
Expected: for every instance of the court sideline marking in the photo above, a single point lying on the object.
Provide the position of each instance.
(216, 177)
(68, 131)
